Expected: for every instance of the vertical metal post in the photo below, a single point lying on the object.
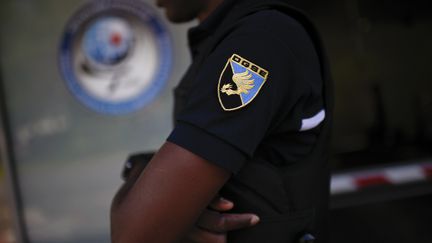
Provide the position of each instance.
(9, 163)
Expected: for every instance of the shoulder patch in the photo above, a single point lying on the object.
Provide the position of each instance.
(239, 83)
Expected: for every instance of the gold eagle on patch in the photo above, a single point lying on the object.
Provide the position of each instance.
(239, 83)
(242, 80)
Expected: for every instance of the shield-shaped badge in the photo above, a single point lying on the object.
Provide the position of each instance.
(239, 83)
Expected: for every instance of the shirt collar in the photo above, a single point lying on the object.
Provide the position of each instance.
(198, 34)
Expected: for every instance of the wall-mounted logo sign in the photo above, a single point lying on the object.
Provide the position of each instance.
(115, 56)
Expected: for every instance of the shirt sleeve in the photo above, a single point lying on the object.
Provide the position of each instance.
(248, 85)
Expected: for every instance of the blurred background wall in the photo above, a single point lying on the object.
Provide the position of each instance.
(67, 157)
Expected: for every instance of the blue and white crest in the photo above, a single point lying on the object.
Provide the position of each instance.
(108, 41)
(115, 56)
(239, 83)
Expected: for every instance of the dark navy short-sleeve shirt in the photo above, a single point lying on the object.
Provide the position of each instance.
(258, 93)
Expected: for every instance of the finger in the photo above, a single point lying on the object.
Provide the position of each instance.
(197, 235)
(222, 223)
(221, 204)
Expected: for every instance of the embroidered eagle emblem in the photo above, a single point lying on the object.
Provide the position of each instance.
(243, 82)
(239, 83)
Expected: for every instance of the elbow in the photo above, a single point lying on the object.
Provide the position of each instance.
(121, 217)
(123, 227)
(125, 231)
(117, 225)
(118, 216)
(121, 232)
(118, 237)
(120, 224)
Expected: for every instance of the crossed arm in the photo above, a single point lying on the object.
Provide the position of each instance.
(163, 202)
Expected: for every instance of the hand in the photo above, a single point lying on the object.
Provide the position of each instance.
(213, 225)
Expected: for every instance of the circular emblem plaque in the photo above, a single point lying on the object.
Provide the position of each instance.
(115, 56)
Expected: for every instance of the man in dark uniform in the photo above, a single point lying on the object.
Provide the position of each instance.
(252, 119)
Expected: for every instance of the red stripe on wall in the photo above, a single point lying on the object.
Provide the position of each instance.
(371, 180)
(427, 169)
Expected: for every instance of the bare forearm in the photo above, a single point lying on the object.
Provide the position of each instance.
(176, 183)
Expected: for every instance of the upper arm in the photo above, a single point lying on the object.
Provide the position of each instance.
(228, 128)
(167, 198)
